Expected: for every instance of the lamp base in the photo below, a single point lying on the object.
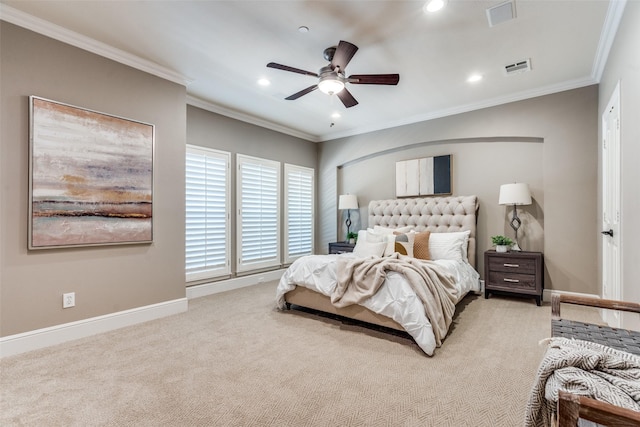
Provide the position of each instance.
(515, 247)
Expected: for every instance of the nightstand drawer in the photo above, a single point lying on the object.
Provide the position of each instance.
(512, 281)
(512, 265)
(514, 273)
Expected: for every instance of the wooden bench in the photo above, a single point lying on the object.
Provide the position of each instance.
(571, 407)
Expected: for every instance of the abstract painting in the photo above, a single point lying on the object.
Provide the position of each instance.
(90, 177)
(423, 177)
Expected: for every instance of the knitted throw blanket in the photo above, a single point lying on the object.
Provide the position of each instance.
(583, 368)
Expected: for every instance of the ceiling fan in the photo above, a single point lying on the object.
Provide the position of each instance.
(332, 77)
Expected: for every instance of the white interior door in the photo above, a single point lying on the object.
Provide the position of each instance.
(611, 220)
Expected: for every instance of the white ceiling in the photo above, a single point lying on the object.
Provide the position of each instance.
(219, 49)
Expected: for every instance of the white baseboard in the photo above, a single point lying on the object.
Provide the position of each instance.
(45, 337)
(205, 289)
(546, 294)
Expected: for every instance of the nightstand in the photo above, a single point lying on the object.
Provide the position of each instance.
(340, 247)
(515, 272)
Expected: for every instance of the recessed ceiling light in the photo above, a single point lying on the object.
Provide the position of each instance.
(264, 82)
(434, 5)
(336, 115)
(473, 78)
(303, 29)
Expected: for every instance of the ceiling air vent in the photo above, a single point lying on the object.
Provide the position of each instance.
(518, 67)
(501, 13)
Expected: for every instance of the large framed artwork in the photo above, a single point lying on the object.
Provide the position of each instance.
(90, 177)
(424, 177)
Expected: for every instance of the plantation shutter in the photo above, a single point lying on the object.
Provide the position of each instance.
(207, 213)
(258, 213)
(299, 212)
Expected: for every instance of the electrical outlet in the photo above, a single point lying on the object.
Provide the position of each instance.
(69, 300)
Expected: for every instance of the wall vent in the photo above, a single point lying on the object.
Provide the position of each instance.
(518, 67)
(501, 13)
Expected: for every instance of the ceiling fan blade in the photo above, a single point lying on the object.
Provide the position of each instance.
(347, 99)
(293, 70)
(343, 55)
(302, 92)
(374, 79)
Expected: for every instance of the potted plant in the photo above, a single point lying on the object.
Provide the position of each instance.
(351, 237)
(502, 243)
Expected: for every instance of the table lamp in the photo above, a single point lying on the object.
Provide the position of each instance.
(516, 194)
(348, 202)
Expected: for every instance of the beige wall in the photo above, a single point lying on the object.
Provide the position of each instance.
(105, 279)
(623, 65)
(207, 129)
(490, 147)
(524, 165)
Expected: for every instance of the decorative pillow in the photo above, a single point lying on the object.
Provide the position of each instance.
(386, 230)
(451, 246)
(364, 249)
(399, 242)
(374, 237)
(421, 245)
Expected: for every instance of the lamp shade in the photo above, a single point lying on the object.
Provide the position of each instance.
(514, 194)
(348, 201)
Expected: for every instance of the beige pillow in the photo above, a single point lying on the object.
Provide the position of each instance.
(421, 245)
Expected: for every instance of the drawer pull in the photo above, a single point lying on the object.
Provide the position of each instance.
(512, 265)
(511, 280)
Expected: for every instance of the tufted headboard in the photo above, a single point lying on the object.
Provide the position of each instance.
(435, 214)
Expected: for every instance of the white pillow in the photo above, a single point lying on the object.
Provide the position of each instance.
(386, 230)
(374, 237)
(364, 249)
(451, 246)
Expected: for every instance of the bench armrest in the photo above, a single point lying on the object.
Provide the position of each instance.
(571, 407)
(557, 299)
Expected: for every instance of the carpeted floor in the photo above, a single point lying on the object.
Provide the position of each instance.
(233, 360)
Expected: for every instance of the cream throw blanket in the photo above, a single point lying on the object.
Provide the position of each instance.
(360, 278)
(587, 369)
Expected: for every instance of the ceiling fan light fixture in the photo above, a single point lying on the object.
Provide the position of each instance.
(330, 86)
(434, 5)
(474, 78)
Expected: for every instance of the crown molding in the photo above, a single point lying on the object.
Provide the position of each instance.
(607, 36)
(247, 118)
(46, 28)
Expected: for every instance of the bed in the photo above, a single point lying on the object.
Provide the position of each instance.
(443, 227)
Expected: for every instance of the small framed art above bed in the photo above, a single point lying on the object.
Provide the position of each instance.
(408, 270)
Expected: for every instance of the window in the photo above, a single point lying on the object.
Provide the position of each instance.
(207, 213)
(298, 217)
(258, 220)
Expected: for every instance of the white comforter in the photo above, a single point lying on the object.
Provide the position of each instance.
(395, 298)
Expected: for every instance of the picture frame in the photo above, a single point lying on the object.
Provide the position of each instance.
(90, 177)
(428, 176)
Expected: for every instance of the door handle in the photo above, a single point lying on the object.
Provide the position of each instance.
(608, 232)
